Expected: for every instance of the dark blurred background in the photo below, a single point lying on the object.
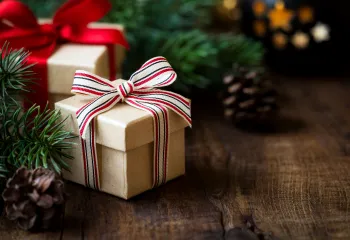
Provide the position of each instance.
(317, 58)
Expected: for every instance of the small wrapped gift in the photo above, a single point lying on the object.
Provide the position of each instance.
(131, 134)
(70, 57)
(68, 42)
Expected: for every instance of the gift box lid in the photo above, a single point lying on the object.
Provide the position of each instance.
(122, 128)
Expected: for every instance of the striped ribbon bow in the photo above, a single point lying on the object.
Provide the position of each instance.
(140, 93)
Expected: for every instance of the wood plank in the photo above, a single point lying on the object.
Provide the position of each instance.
(76, 211)
(293, 181)
(293, 177)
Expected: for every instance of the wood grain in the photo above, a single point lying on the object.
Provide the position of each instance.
(293, 176)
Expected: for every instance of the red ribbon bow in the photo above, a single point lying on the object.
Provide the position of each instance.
(19, 26)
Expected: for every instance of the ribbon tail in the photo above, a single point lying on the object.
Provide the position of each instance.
(91, 170)
(160, 117)
(88, 112)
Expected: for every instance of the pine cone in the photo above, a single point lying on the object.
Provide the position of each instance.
(248, 96)
(34, 198)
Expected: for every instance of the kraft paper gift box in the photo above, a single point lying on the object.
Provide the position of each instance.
(124, 137)
(70, 57)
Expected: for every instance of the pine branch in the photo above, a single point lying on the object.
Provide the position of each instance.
(15, 73)
(36, 139)
(172, 15)
(166, 15)
(166, 28)
(126, 12)
(31, 138)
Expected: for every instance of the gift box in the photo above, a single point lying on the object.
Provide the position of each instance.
(124, 139)
(71, 40)
(131, 134)
(70, 57)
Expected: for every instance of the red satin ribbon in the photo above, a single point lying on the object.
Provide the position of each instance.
(19, 26)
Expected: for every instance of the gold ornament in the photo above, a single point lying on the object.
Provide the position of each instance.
(259, 27)
(320, 32)
(280, 17)
(259, 8)
(279, 40)
(300, 40)
(306, 14)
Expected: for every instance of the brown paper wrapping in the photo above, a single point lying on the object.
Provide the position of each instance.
(70, 57)
(124, 137)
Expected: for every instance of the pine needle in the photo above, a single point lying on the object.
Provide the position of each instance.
(33, 137)
(15, 73)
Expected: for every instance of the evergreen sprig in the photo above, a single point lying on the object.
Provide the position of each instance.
(35, 138)
(31, 137)
(175, 29)
(161, 15)
(15, 73)
(175, 15)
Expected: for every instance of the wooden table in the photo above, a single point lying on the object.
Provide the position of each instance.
(293, 178)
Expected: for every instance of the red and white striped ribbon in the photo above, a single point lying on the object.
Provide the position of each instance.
(140, 93)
